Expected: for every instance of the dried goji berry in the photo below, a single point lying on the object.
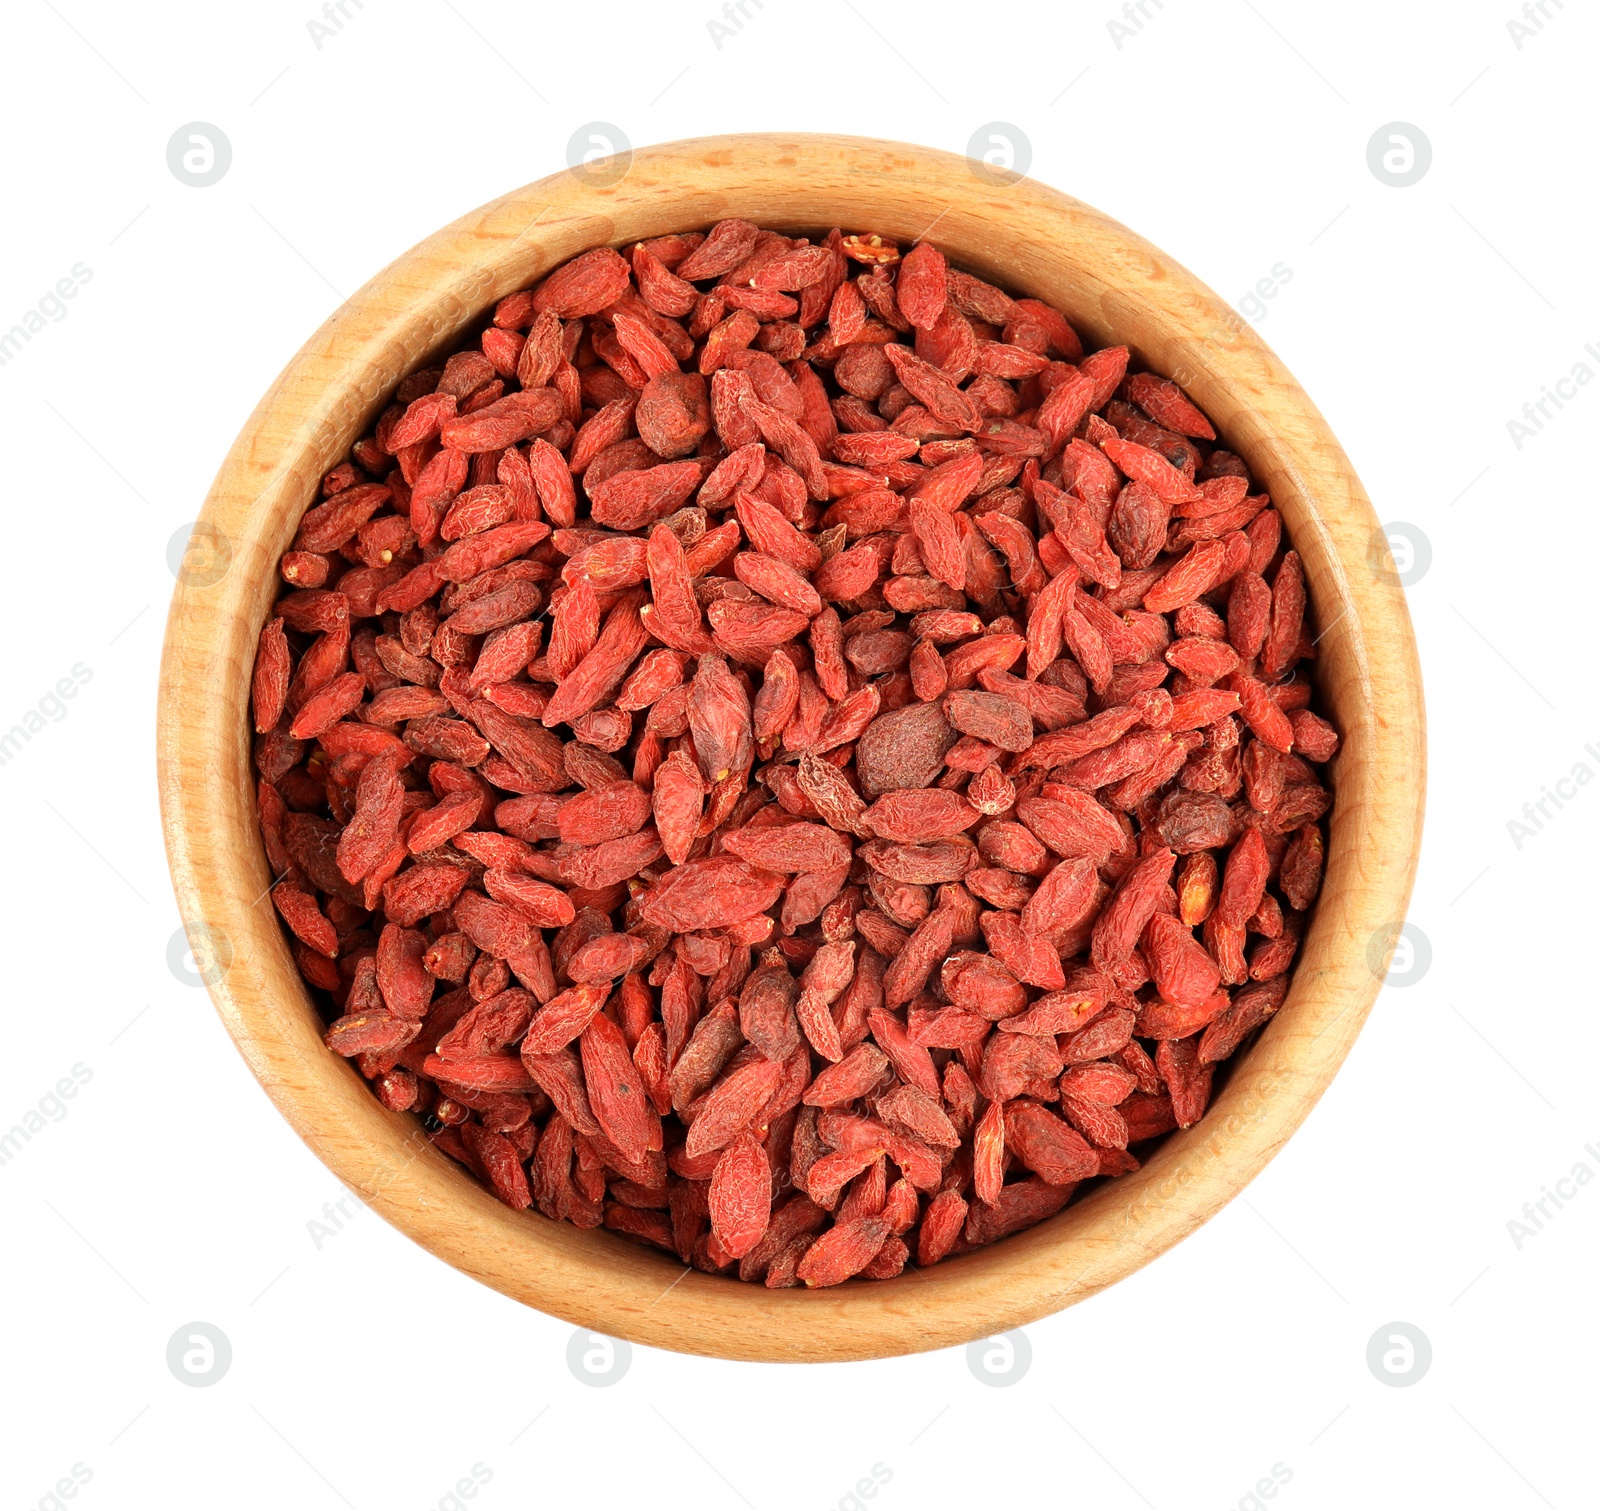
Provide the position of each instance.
(770, 683)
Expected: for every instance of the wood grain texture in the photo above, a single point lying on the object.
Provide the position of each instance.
(1034, 240)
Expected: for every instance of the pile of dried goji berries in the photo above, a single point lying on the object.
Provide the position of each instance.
(774, 750)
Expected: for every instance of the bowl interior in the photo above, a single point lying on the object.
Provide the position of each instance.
(1030, 240)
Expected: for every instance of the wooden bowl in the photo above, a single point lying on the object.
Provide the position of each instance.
(1031, 239)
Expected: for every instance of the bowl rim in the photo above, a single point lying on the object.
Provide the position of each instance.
(1111, 284)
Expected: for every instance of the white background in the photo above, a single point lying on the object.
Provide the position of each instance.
(367, 1374)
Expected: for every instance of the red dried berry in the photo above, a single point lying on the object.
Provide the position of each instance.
(773, 712)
